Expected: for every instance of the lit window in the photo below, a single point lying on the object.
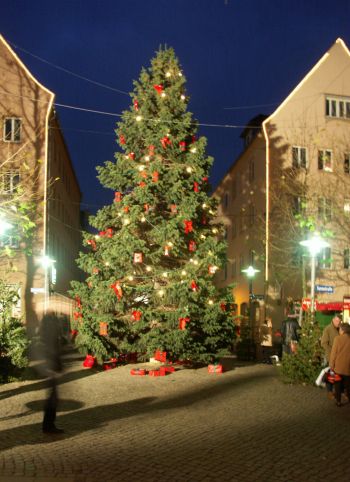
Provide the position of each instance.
(325, 161)
(299, 204)
(10, 239)
(299, 156)
(12, 129)
(338, 107)
(347, 207)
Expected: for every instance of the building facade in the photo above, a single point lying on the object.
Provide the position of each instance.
(37, 179)
(292, 178)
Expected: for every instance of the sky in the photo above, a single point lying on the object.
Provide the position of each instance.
(240, 57)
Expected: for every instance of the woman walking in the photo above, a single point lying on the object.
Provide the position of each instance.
(340, 361)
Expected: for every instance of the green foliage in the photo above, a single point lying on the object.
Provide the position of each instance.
(160, 177)
(13, 340)
(305, 365)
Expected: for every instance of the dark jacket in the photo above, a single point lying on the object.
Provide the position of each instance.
(290, 331)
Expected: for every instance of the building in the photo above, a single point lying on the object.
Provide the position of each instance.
(36, 174)
(292, 176)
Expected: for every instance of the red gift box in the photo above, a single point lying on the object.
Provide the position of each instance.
(156, 373)
(167, 369)
(89, 361)
(160, 356)
(216, 368)
(138, 371)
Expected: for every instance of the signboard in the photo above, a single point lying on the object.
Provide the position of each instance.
(320, 306)
(346, 302)
(37, 290)
(324, 289)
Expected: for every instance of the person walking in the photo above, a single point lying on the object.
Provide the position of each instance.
(51, 340)
(340, 362)
(290, 334)
(329, 333)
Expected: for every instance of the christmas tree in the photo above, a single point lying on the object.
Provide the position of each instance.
(151, 267)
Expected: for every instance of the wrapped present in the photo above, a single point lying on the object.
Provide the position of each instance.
(89, 361)
(109, 364)
(333, 377)
(156, 373)
(215, 368)
(138, 371)
(166, 369)
(160, 356)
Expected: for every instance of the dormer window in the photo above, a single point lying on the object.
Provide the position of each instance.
(338, 107)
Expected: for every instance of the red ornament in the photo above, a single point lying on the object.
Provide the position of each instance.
(192, 246)
(109, 232)
(122, 139)
(151, 150)
(223, 306)
(95, 270)
(205, 179)
(194, 286)
(173, 208)
(165, 141)
(159, 88)
(126, 210)
(183, 322)
(167, 249)
(92, 243)
(78, 301)
(155, 176)
(188, 226)
(182, 145)
(194, 138)
(138, 258)
(117, 196)
(136, 315)
(196, 186)
(136, 105)
(77, 315)
(132, 155)
(142, 184)
(103, 328)
(204, 220)
(117, 289)
(102, 233)
(143, 174)
(146, 208)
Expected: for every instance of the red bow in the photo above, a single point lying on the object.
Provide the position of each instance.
(159, 88)
(165, 141)
(136, 315)
(117, 289)
(188, 226)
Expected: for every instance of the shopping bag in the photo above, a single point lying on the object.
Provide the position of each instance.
(320, 382)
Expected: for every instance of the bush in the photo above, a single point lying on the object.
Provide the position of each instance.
(13, 339)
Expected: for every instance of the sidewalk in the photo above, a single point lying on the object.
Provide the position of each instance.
(241, 426)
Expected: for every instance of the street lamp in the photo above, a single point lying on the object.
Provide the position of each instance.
(314, 245)
(250, 272)
(46, 263)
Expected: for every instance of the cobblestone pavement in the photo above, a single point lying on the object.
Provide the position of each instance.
(241, 426)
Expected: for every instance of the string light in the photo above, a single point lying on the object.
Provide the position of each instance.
(148, 268)
(204, 205)
(161, 293)
(163, 94)
(165, 274)
(168, 74)
(126, 221)
(183, 272)
(138, 118)
(189, 169)
(214, 230)
(182, 97)
(210, 302)
(143, 219)
(193, 149)
(141, 168)
(130, 278)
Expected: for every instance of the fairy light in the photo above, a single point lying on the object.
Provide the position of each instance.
(204, 205)
(182, 97)
(211, 211)
(138, 118)
(189, 169)
(210, 302)
(97, 236)
(195, 261)
(143, 219)
(161, 293)
(141, 168)
(183, 272)
(215, 230)
(107, 263)
(126, 221)
(202, 236)
(130, 278)
(163, 94)
(119, 215)
(168, 74)
(193, 149)
(147, 158)
(148, 268)
(165, 274)
(180, 74)
(210, 253)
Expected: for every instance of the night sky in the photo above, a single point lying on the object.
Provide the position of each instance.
(240, 58)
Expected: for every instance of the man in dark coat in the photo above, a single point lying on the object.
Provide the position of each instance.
(290, 333)
(51, 338)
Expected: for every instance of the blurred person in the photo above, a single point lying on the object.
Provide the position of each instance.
(340, 362)
(51, 340)
(290, 334)
(329, 333)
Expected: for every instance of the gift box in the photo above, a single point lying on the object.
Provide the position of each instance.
(138, 371)
(167, 369)
(109, 364)
(156, 373)
(160, 356)
(215, 368)
(89, 361)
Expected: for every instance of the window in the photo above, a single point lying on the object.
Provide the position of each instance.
(338, 107)
(325, 160)
(9, 182)
(251, 214)
(9, 239)
(234, 229)
(325, 208)
(299, 204)
(346, 258)
(234, 268)
(324, 258)
(299, 157)
(347, 163)
(12, 129)
(251, 171)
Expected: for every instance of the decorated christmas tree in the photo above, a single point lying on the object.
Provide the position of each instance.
(150, 269)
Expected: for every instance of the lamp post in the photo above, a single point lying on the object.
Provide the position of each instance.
(46, 263)
(250, 272)
(314, 245)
